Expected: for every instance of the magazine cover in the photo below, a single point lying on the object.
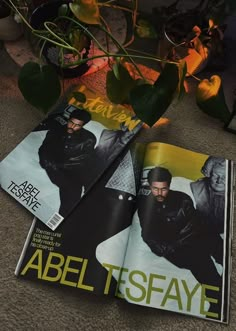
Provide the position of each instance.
(61, 159)
(67, 256)
(168, 248)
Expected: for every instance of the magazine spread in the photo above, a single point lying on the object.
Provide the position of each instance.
(155, 230)
(53, 167)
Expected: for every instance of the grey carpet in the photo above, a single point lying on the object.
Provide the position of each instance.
(26, 305)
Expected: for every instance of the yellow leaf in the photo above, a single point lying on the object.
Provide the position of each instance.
(211, 23)
(194, 61)
(211, 100)
(86, 11)
(197, 30)
(208, 88)
(202, 50)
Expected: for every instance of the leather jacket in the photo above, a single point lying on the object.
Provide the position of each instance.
(166, 225)
(61, 151)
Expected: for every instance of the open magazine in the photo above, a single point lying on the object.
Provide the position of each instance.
(155, 230)
(61, 159)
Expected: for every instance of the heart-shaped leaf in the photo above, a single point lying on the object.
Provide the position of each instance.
(118, 89)
(39, 85)
(169, 77)
(86, 11)
(149, 102)
(210, 98)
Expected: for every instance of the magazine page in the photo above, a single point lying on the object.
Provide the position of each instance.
(57, 163)
(67, 256)
(178, 253)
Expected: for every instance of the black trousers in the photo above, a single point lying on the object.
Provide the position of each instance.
(70, 186)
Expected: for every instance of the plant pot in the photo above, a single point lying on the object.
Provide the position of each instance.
(48, 12)
(177, 43)
(10, 29)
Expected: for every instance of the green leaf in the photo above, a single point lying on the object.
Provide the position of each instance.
(115, 69)
(118, 89)
(149, 102)
(79, 40)
(86, 11)
(182, 75)
(39, 85)
(211, 100)
(169, 77)
(79, 96)
(145, 29)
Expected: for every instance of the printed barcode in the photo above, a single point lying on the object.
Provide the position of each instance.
(54, 221)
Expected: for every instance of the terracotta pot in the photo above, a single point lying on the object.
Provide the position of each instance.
(9, 29)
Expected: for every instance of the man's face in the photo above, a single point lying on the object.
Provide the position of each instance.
(217, 179)
(159, 190)
(74, 125)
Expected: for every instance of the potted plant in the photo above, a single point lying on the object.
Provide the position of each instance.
(148, 100)
(56, 56)
(196, 35)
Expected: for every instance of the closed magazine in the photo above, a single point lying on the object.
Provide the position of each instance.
(61, 159)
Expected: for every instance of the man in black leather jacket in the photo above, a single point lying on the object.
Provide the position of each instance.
(165, 215)
(63, 154)
(170, 229)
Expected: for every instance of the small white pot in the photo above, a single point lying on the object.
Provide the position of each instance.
(9, 29)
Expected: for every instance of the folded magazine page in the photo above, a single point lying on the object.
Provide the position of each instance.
(67, 256)
(178, 255)
(61, 159)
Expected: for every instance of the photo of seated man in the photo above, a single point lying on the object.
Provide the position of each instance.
(63, 154)
(171, 229)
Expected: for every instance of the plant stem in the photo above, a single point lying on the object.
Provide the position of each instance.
(86, 31)
(63, 44)
(147, 58)
(54, 42)
(108, 29)
(46, 24)
(195, 77)
(20, 15)
(124, 50)
(114, 55)
(134, 20)
(41, 50)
